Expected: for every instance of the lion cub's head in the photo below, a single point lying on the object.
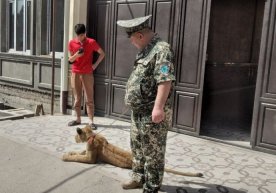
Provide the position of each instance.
(83, 134)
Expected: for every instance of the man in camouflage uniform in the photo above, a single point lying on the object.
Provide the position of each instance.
(148, 94)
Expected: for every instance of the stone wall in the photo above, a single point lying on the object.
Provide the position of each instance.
(28, 99)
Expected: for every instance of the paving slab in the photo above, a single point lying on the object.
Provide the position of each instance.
(226, 168)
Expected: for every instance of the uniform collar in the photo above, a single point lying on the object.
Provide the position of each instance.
(143, 53)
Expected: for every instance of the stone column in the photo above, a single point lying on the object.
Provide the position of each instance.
(76, 10)
(78, 14)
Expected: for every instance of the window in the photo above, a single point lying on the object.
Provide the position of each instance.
(59, 27)
(19, 28)
(29, 18)
(11, 25)
(22, 23)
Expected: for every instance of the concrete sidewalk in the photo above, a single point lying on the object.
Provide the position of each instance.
(44, 139)
(28, 170)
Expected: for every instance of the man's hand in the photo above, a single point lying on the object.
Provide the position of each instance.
(94, 67)
(100, 58)
(158, 115)
(73, 57)
(79, 54)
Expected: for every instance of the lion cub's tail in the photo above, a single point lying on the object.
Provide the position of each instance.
(183, 173)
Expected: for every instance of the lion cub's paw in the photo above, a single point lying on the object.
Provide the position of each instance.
(72, 153)
(66, 157)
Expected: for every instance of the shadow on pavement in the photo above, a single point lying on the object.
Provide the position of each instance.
(206, 188)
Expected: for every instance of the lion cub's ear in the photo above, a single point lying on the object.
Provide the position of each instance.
(79, 131)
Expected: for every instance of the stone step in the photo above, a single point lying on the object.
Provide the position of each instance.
(12, 114)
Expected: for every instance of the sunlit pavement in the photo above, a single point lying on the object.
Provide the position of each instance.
(226, 168)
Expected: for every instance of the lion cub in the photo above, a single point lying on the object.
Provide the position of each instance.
(100, 150)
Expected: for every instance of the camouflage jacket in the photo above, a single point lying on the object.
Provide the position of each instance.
(153, 65)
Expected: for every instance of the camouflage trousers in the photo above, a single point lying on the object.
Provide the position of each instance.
(148, 145)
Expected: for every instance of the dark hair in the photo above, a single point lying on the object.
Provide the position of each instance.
(80, 29)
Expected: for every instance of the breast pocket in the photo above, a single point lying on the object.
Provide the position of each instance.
(147, 82)
(133, 95)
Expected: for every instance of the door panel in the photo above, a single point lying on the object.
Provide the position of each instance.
(271, 79)
(191, 64)
(162, 25)
(117, 102)
(103, 34)
(186, 111)
(101, 90)
(191, 52)
(99, 28)
(125, 52)
(264, 122)
(267, 126)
